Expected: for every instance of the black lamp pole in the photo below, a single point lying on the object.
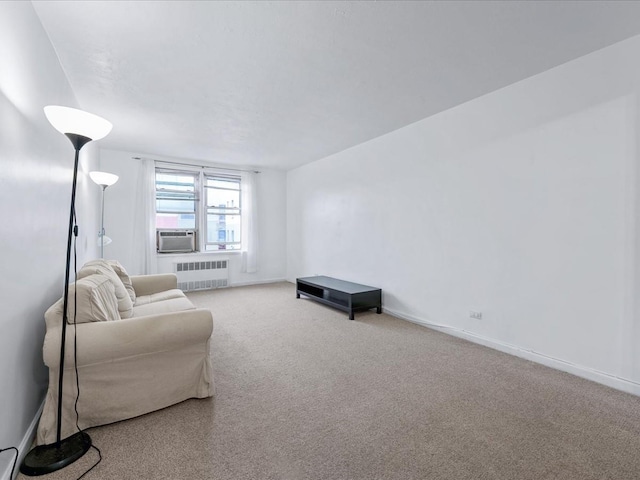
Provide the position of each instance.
(45, 459)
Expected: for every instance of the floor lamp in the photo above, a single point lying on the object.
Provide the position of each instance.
(81, 128)
(105, 180)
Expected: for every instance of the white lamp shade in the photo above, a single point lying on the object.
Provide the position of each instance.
(104, 240)
(72, 120)
(103, 178)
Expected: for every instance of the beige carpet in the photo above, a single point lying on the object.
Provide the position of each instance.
(304, 393)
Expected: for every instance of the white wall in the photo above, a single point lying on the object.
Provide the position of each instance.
(119, 221)
(35, 193)
(521, 204)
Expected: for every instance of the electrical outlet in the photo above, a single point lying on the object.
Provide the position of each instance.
(476, 315)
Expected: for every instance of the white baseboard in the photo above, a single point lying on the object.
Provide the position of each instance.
(604, 378)
(25, 445)
(257, 282)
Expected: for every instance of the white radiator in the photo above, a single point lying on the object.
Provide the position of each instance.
(202, 275)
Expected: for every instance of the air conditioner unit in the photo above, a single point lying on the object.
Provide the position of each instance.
(176, 241)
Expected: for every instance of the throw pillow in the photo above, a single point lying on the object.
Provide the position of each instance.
(125, 305)
(96, 300)
(124, 277)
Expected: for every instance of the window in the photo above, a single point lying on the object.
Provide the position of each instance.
(178, 207)
(223, 223)
(176, 198)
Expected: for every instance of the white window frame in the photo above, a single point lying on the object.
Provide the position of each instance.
(236, 211)
(196, 180)
(201, 209)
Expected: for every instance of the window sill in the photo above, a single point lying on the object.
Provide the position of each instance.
(188, 254)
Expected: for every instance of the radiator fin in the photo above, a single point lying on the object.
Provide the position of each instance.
(209, 265)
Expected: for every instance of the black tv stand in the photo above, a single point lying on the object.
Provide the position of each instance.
(347, 296)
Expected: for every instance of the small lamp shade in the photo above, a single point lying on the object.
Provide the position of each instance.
(103, 179)
(71, 120)
(104, 240)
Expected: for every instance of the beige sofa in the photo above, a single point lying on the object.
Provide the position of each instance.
(141, 346)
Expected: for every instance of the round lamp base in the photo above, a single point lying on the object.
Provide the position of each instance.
(45, 459)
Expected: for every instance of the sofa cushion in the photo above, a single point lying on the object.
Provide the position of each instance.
(96, 301)
(158, 297)
(164, 306)
(125, 305)
(124, 278)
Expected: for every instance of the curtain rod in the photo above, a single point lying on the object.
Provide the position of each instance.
(195, 165)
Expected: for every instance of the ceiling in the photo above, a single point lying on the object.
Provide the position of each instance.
(279, 84)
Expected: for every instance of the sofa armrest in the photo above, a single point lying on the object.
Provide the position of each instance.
(100, 342)
(150, 284)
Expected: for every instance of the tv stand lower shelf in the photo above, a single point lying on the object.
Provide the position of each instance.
(347, 296)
